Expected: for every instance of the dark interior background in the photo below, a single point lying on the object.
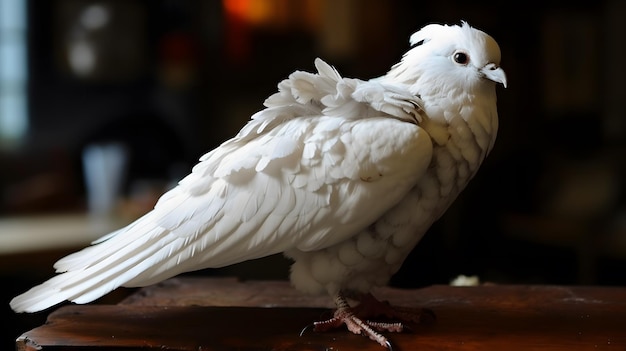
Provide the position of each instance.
(174, 79)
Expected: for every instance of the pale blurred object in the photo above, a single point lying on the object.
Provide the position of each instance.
(104, 167)
(101, 41)
(463, 280)
(41, 233)
(13, 72)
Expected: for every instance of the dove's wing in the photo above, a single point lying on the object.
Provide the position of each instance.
(321, 162)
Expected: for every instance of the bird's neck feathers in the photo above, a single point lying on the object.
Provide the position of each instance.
(447, 93)
(446, 89)
(442, 89)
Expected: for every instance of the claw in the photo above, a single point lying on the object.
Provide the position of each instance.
(388, 345)
(370, 306)
(305, 329)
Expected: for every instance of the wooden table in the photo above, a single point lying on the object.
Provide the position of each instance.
(226, 314)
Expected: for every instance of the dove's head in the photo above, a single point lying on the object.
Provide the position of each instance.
(449, 58)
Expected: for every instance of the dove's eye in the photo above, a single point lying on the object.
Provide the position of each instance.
(461, 58)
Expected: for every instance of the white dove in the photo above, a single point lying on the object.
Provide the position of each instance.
(344, 176)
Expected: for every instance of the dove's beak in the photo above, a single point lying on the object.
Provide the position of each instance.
(492, 72)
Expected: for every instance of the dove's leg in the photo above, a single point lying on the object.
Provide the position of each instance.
(355, 318)
(345, 315)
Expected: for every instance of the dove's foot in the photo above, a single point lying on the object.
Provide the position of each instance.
(356, 318)
(346, 315)
(370, 307)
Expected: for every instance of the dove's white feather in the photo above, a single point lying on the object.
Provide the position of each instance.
(342, 175)
(299, 175)
(459, 101)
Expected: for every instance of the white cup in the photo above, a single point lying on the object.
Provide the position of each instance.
(104, 167)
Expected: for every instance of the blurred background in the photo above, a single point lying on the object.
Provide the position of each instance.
(137, 90)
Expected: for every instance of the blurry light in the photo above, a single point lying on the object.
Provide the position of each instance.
(12, 14)
(252, 11)
(13, 61)
(95, 17)
(13, 115)
(243, 17)
(13, 71)
(236, 7)
(82, 58)
(260, 11)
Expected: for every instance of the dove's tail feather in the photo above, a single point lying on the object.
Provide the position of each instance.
(97, 270)
(143, 253)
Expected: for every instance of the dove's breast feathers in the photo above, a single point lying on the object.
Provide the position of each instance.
(374, 254)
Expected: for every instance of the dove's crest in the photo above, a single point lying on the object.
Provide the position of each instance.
(463, 35)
